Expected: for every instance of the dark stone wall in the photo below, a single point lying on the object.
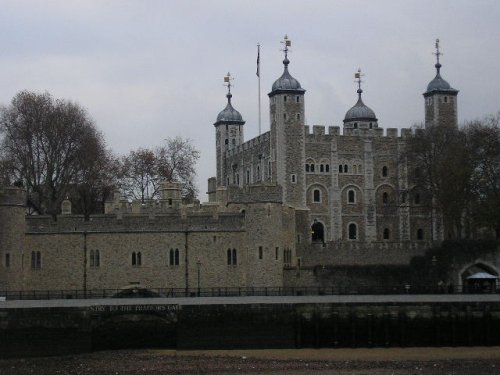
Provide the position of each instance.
(46, 331)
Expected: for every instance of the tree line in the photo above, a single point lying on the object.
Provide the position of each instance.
(53, 149)
(460, 170)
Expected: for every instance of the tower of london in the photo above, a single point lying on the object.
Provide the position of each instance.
(282, 204)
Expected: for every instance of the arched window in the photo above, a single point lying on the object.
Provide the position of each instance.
(345, 168)
(316, 196)
(340, 168)
(360, 170)
(384, 171)
(307, 167)
(420, 234)
(139, 258)
(321, 168)
(351, 196)
(354, 169)
(317, 232)
(353, 231)
(327, 168)
(417, 198)
(134, 259)
(312, 167)
(171, 257)
(229, 257)
(176, 257)
(235, 259)
(385, 198)
(387, 233)
(35, 260)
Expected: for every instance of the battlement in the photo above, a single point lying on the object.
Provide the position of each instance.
(320, 131)
(250, 144)
(143, 222)
(12, 196)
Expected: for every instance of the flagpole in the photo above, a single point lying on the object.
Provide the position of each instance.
(258, 75)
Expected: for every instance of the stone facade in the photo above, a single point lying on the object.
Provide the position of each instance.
(292, 197)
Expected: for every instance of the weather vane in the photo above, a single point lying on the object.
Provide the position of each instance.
(358, 76)
(287, 43)
(227, 81)
(437, 53)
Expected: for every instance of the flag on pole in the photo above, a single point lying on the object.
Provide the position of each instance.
(258, 61)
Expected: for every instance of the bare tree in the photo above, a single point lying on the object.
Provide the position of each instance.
(140, 179)
(459, 168)
(144, 169)
(177, 160)
(44, 141)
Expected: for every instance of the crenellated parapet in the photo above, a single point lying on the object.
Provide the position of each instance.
(319, 132)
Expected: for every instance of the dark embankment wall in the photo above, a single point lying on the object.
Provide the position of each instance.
(51, 331)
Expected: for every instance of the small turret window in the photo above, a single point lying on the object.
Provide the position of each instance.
(384, 171)
(285, 116)
(298, 116)
(446, 99)
(355, 125)
(285, 98)
(297, 99)
(226, 141)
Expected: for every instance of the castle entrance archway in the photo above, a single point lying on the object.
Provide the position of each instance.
(480, 278)
(317, 232)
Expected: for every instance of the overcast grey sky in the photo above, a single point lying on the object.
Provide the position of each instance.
(147, 70)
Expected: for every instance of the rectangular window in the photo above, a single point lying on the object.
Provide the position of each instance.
(7, 260)
(261, 252)
(277, 253)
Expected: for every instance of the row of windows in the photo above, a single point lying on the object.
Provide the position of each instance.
(317, 232)
(259, 175)
(323, 168)
(351, 197)
(444, 99)
(285, 116)
(285, 99)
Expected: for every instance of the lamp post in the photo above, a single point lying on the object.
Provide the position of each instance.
(198, 263)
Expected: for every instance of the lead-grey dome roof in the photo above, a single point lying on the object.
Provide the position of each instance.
(360, 112)
(439, 84)
(286, 82)
(229, 115)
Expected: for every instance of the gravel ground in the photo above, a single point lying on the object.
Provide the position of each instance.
(171, 362)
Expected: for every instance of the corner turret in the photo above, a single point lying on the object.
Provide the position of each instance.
(440, 99)
(229, 134)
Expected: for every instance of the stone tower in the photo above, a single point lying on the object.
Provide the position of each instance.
(287, 135)
(12, 231)
(229, 135)
(440, 99)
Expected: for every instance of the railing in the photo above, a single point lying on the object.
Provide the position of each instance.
(141, 292)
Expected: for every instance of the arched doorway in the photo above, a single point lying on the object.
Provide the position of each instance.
(480, 278)
(317, 232)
